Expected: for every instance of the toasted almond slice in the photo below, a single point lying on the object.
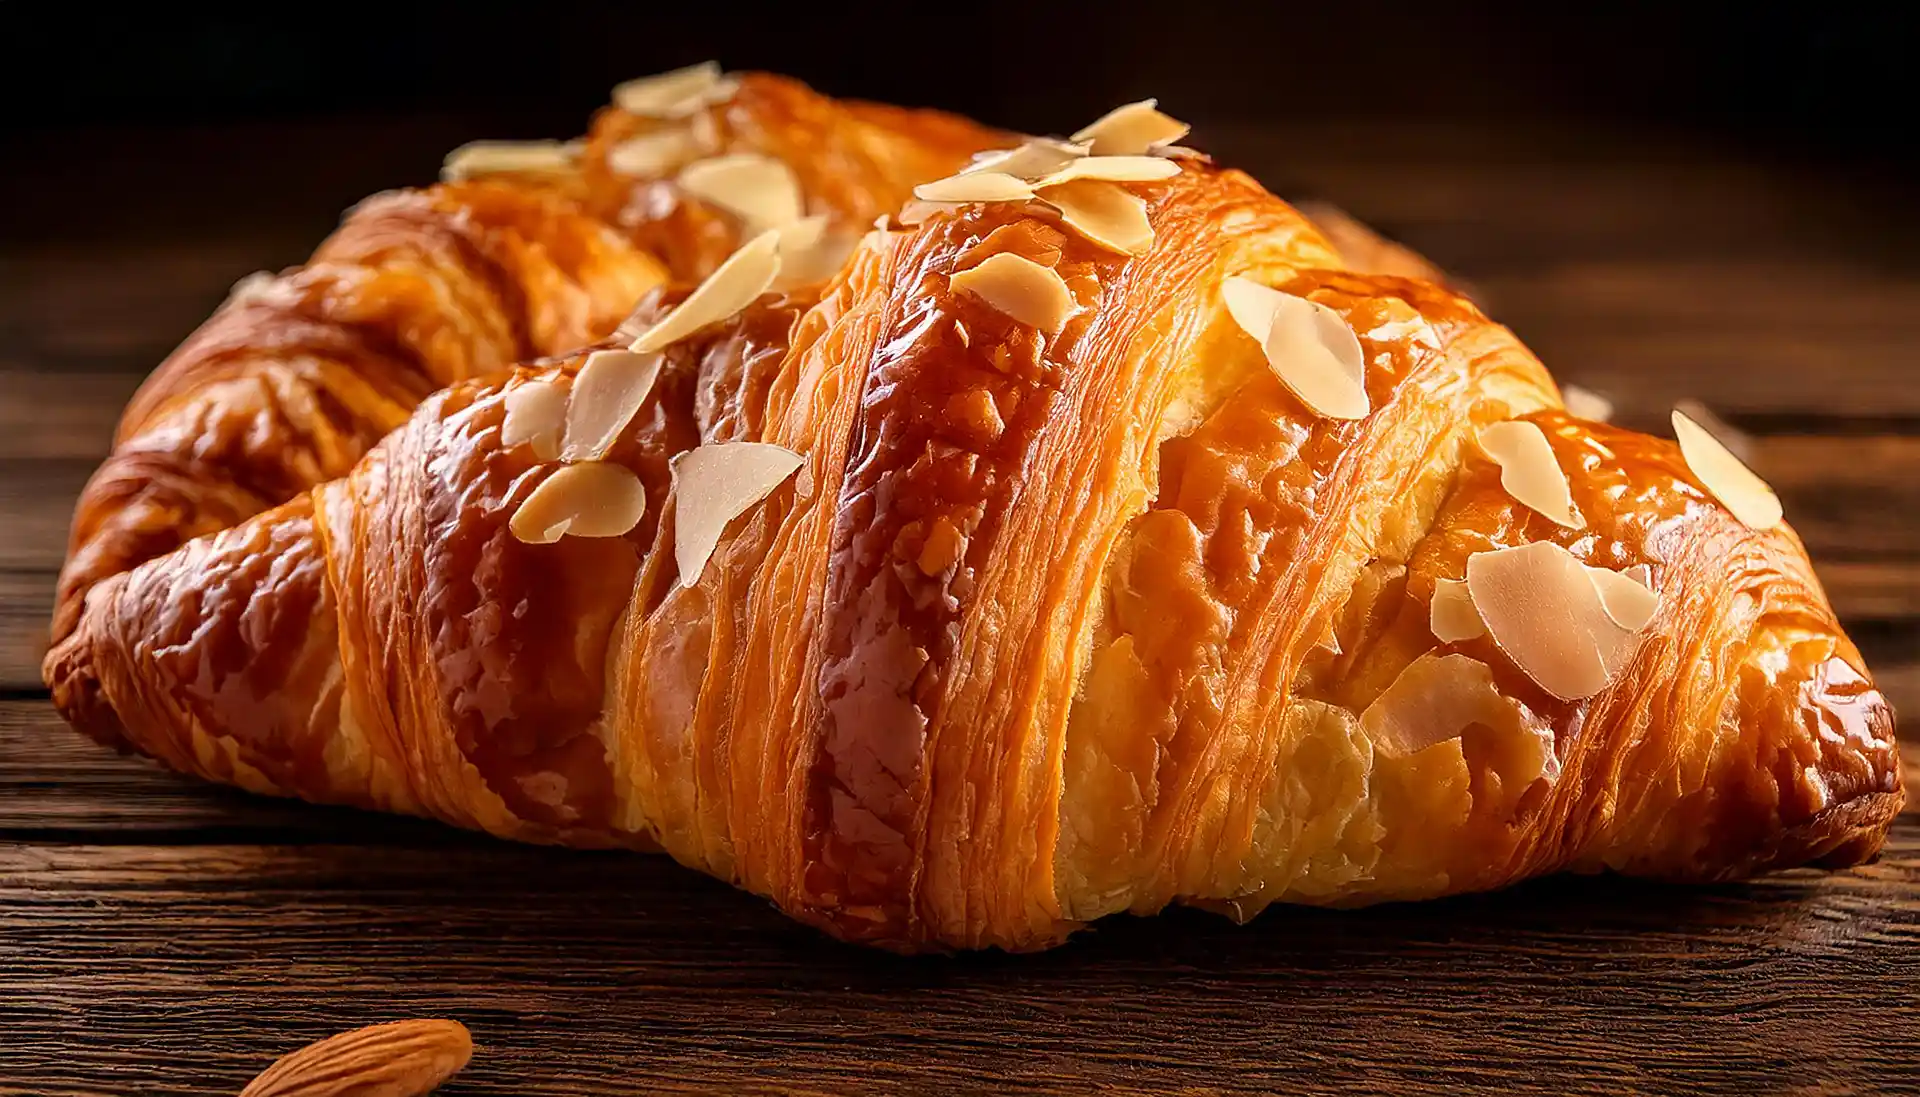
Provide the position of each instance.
(1105, 214)
(1451, 615)
(1132, 130)
(1033, 159)
(980, 186)
(744, 276)
(1529, 471)
(1180, 152)
(1586, 404)
(1019, 287)
(1722, 474)
(1738, 442)
(1628, 599)
(654, 155)
(1434, 699)
(609, 389)
(595, 499)
(917, 212)
(1113, 169)
(810, 253)
(1544, 612)
(536, 413)
(675, 94)
(477, 158)
(1310, 347)
(713, 485)
(759, 190)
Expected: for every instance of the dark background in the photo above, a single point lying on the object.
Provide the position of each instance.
(263, 119)
(1804, 79)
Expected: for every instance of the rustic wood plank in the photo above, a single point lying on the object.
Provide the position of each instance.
(585, 973)
(37, 499)
(600, 982)
(26, 605)
(58, 785)
(118, 308)
(61, 416)
(1769, 338)
(1885, 589)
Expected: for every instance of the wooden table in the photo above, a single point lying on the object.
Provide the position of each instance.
(160, 936)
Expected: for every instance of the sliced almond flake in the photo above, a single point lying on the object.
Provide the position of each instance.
(1586, 404)
(1105, 214)
(1037, 157)
(1738, 442)
(1629, 600)
(654, 155)
(743, 277)
(917, 212)
(536, 413)
(607, 393)
(1132, 130)
(761, 191)
(1180, 152)
(713, 485)
(1019, 287)
(810, 253)
(1730, 481)
(1310, 347)
(1544, 612)
(477, 158)
(1113, 169)
(675, 94)
(589, 500)
(960, 330)
(980, 186)
(1529, 471)
(1451, 615)
(1433, 700)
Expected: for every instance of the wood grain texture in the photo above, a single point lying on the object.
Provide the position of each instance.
(162, 936)
(608, 974)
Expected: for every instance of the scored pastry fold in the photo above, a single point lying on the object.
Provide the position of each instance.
(1111, 569)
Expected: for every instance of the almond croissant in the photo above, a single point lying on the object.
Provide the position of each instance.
(518, 256)
(1097, 541)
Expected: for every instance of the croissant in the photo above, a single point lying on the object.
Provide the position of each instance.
(530, 249)
(1092, 539)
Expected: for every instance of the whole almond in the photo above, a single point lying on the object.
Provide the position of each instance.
(401, 1059)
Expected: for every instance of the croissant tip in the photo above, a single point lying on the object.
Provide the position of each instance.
(70, 674)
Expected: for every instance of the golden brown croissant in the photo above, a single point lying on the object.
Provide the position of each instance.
(527, 251)
(1095, 542)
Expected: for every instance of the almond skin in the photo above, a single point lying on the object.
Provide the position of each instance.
(401, 1059)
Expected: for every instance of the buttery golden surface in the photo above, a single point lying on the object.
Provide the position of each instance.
(1048, 626)
(300, 373)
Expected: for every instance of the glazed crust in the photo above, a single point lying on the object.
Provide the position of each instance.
(298, 374)
(1047, 627)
